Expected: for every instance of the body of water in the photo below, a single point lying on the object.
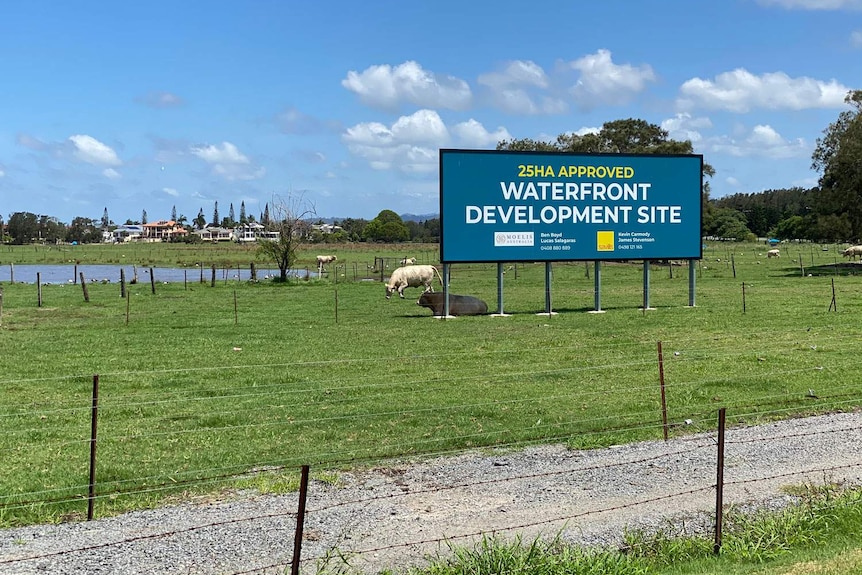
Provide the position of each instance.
(69, 274)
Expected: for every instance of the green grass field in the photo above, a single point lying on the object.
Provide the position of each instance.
(201, 387)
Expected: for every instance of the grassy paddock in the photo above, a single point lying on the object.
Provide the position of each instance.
(203, 385)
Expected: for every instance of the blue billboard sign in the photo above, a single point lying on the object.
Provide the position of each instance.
(501, 206)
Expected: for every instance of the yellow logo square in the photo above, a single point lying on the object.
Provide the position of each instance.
(605, 241)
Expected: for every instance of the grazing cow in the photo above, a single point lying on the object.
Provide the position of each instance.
(852, 252)
(773, 254)
(321, 260)
(411, 276)
(408, 261)
(458, 304)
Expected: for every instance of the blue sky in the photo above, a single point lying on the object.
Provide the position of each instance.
(135, 106)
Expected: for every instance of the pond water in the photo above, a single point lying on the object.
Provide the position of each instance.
(62, 274)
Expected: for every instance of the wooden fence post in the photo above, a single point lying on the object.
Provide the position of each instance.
(84, 288)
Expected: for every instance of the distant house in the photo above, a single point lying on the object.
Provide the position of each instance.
(326, 228)
(214, 234)
(162, 231)
(252, 232)
(127, 233)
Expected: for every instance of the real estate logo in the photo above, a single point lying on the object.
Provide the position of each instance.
(605, 241)
(513, 239)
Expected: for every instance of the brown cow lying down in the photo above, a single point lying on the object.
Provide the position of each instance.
(458, 304)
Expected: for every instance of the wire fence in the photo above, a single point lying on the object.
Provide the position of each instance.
(408, 503)
(392, 528)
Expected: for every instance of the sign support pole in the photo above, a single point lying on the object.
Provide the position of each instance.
(691, 265)
(646, 285)
(445, 290)
(500, 312)
(598, 288)
(548, 275)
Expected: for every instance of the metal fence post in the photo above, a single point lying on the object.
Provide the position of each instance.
(719, 482)
(300, 520)
(94, 418)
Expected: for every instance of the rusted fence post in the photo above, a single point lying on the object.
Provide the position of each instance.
(213, 279)
(152, 281)
(719, 482)
(300, 520)
(94, 413)
(122, 283)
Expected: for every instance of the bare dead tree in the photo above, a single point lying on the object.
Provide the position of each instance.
(289, 217)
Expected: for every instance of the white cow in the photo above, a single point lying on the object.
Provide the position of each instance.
(408, 261)
(321, 260)
(412, 276)
(773, 254)
(852, 252)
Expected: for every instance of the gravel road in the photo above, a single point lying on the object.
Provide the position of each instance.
(400, 514)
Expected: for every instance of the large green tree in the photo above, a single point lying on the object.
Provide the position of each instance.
(387, 227)
(26, 227)
(84, 231)
(23, 227)
(838, 158)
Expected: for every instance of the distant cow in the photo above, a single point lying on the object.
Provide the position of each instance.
(408, 261)
(458, 304)
(411, 276)
(321, 260)
(773, 254)
(852, 252)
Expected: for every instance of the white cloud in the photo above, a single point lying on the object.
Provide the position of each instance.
(31, 142)
(603, 82)
(424, 126)
(516, 73)
(2, 173)
(731, 181)
(814, 4)
(517, 88)
(161, 100)
(742, 91)
(761, 141)
(111, 174)
(226, 154)
(228, 162)
(409, 145)
(387, 87)
(856, 38)
(472, 134)
(89, 149)
(293, 121)
(171, 192)
(684, 127)
(586, 130)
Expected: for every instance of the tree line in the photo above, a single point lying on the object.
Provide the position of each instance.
(388, 227)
